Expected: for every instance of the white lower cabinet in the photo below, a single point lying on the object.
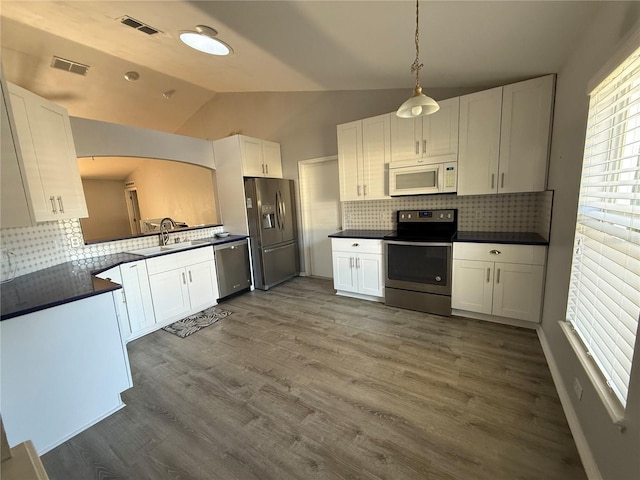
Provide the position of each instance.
(358, 268)
(499, 280)
(136, 316)
(182, 283)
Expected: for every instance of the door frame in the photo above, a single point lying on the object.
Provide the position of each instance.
(306, 227)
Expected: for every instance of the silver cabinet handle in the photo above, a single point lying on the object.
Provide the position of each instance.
(424, 146)
(266, 166)
(502, 180)
(190, 277)
(495, 252)
(498, 277)
(493, 176)
(263, 168)
(364, 189)
(52, 199)
(350, 262)
(124, 296)
(184, 279)
(355, 245)
(359, 190)
(417, 147)
(61, 205)
(488, 274)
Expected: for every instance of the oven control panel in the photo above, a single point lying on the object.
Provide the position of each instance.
(420, 216)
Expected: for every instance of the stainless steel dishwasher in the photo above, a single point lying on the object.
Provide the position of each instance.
(232, 267)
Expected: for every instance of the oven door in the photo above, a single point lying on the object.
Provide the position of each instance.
(418, 266)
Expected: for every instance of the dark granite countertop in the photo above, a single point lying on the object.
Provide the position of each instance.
(73, 281)
(50, 287)
(522, 238)
(365, 234)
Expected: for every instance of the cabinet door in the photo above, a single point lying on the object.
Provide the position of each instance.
(135, 283)
(376, 152)
(170, 294)
(518, 291)
(344, 277)
(479, 143)
(14, 203)
(49, 157)
(252, 159)
(369, 268)
(406, 138)
(203, 286)
(472, 286)
(350, 160)
(440, 132)
(272, 159)
(526, 127)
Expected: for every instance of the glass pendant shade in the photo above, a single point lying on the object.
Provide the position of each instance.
(418, 106)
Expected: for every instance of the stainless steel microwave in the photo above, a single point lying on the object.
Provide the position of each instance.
(422, 177)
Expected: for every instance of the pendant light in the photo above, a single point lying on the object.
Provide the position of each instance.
(419, 104)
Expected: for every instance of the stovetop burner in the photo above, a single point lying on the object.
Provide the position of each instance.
(437, 226)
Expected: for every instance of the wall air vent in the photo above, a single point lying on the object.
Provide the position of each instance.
(129, 184)
(69, 66)
(138, 25)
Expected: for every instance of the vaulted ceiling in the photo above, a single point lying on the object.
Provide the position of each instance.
(278, 46)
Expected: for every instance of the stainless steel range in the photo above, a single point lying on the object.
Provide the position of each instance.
(418, 260)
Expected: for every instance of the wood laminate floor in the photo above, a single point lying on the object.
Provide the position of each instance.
(301, 384)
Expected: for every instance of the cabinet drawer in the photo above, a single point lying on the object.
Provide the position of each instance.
(172, 261)
(356, 245)
(508, 253)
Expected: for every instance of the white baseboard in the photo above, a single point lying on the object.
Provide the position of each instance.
(61, 440)
(588, 462)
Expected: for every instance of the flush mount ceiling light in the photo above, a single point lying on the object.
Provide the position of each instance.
(203, 40)
(419, 104)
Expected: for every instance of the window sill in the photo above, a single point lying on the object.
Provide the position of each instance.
(611, 404)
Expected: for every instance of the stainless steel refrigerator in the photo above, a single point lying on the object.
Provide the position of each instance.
(272, 228)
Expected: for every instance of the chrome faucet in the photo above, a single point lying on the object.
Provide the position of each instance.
(164, 229)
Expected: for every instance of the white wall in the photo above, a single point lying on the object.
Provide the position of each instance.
(616, 454)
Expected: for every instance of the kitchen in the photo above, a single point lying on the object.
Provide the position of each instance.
(331, 109)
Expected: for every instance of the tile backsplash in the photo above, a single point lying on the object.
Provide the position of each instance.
(48, 244)
(514, 212)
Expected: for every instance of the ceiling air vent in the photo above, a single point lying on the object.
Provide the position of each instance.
(138, 25)
(69, 66)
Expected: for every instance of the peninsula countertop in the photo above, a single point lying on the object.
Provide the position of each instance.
(71, 281)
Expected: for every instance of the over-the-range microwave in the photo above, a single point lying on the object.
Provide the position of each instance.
(422, 176)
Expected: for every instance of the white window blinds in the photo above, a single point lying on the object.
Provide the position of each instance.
(604, 295)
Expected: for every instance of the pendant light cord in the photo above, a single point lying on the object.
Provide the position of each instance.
(416, 66)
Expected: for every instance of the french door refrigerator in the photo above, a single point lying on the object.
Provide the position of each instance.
(272, 230)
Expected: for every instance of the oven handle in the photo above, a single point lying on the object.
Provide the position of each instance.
(419, 244)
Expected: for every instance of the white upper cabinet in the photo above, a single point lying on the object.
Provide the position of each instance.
(479, 151)
(48, 153)
(504, 138)
(260, 158)
(363, 157)
(14, 202)
(434, 137)
(527, 109)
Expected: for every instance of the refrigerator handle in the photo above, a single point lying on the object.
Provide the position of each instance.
(278, 211)
(284, 213)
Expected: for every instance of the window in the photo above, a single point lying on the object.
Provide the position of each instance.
(604, 294)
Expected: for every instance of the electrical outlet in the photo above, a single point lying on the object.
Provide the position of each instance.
(75, 242)
(577, 388)
(478, 214)
(382, 216)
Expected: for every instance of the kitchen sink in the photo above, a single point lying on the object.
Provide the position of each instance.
(172, 247)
